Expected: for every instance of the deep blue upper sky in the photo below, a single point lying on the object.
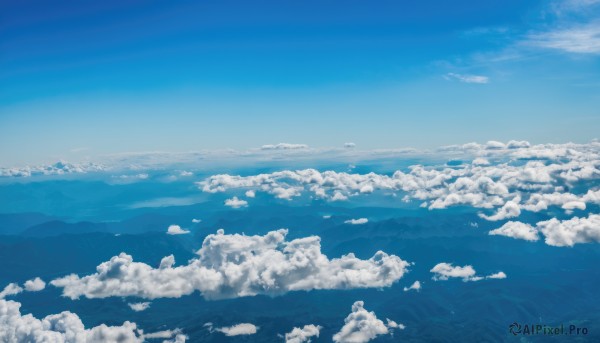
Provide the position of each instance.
(113, 76)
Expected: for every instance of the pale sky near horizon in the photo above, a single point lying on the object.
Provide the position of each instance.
(86, 79)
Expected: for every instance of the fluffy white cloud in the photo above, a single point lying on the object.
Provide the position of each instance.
(415, 286)
(66, 327)
(443, 271)
(10, 289)
(238, 329)
(467, 78)
(510, 209)
(498, 275)
(138, 307)
(250, 194)
(196, 221)
(34, 285)
(284, 146)
(358, 221)
(362, 326)
(570, 232)
(517, 230)
(236, 203)
(236, 265)
(176, 230)
(301, 335)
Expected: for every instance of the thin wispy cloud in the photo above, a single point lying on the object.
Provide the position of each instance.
(583, 39)
(466, 78)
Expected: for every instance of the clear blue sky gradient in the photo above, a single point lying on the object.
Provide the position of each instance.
(86, 78)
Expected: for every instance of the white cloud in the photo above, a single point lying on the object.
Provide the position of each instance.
(67, 327)
(362, 326)
(443, 271)
(34, 285)
(196, 221)
(498, 275)
(349, 145)
(570, 232)
(358, 221)
(517, 230)
(238, 329)
(580, 39)
(10, 289)
(250, 194)
(301, 335)
(510, 209)
(236, 265)
(415, 286)
(467, 78)
(186, 173)
(236, 203)
(138, 307)
(480, 161)
(283, 146)
(176, 230)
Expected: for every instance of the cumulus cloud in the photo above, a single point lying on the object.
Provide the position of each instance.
(362, 326)
(236, 265)
(176, 230)
(517, 230)
(444, 271)
(196, 221)
(301, 335)
(250, 194)
(66, 327)
(415, 286)
(467, 78)
(358, 221)
(510, 209)
(236, 203)
(238, 329)
(349, 145)
(138, 307)
(498, 275)
(283, 146)
(10, 289)
(570, 232)
(34, 285)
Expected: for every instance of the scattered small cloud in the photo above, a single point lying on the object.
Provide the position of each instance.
(358, 221)
(176, 230)
(138, 307)
(238, 329)
(349, 145)
(416, 286)
(302, 335)
(236, 203)
(34, 285)
(361, 326)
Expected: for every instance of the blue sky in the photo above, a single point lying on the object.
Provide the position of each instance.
(83, 79)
